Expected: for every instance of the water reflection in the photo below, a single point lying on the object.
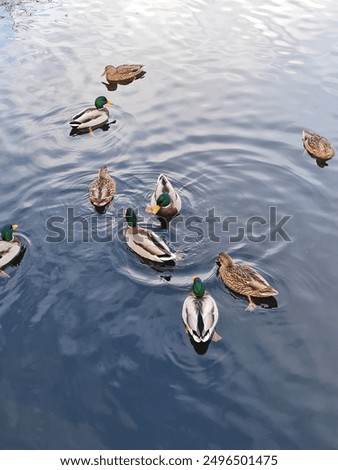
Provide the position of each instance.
(264, 302)
(199, 348)
(159, 267)
(230, 86)
(321, 163)
(21, 11)
(102, 209)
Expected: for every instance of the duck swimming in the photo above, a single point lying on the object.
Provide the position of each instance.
(91, 118)
(10, 247)
(165, 201)
(243, 279)
(123, 72)
(318, 146)
(200, 314)
(146, 243)
(103, 188)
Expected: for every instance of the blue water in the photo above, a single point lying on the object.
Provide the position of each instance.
(93, 352)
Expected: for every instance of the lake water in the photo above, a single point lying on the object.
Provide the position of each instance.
(93, 352)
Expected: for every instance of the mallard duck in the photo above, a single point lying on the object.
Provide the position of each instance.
(123, 72)
(165, 201)
(200, 314)
(145, 243)
(9, 247)
(243, 279)
(91, 118)
(103, 188)
(317, 146)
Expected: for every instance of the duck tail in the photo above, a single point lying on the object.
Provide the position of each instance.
(74, 124)
(270, 291)
(162, 179)
(179, 256)
(4, 274)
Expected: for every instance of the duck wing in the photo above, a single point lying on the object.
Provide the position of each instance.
(102, 191)
(149, 245)
(317, 145)
(8, 251)
(256, 283)
(126, 72)
(90, 117)
(200, 317)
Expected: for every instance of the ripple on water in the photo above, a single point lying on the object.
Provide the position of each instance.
(138, 187)
(220, 111)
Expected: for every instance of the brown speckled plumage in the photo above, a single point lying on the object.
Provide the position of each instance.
(317, 146)
(123, 72)
(243, 279)
(103, 188)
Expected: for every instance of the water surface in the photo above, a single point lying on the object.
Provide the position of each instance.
(93, 349)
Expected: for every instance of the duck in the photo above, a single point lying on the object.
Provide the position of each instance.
(103, 188)
(200, 314)
(146, 243)
(123, 72)
(10, 247)
(318, 146)
(165, 201)
(91, 118)
(243, 279)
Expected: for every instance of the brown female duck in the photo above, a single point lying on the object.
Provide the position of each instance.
(317, 146)
(243, 279)
(103, 188)
(123, 72)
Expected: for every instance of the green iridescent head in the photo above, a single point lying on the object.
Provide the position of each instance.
(101, 101)
(198, 287)
(163, 200)
(7, 232)
(131, 217)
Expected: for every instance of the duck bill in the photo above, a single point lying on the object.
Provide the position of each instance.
(109, 102)
(156, 209)
(15, 226)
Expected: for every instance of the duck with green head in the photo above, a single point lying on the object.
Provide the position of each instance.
(146, 243)
(165, 201)
(91, 118)
(9, 247)
(200, 314)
